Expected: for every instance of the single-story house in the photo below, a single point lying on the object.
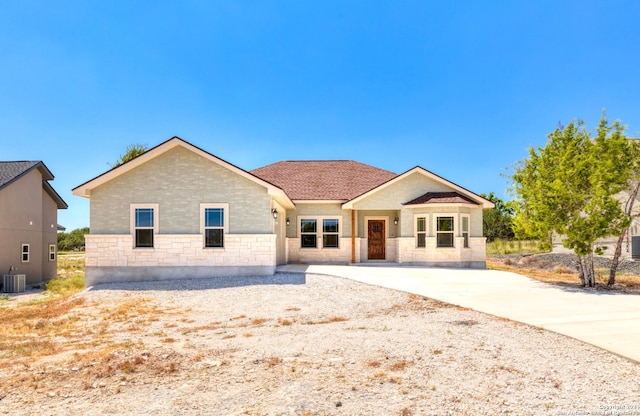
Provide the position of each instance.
(28, 221)
(177, 211)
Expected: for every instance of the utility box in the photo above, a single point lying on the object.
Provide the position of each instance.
(13, 283)
(635, 247)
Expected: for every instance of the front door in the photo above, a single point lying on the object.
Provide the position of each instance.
(376, 240)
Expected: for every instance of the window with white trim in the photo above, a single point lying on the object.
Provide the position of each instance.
(465, 230)
(444, 232)
(330, 234)
(144, 224)
(308, 233)
(52, 252)
(214, 227)
(320, 229)
(421, 232)
(214, 224)
(25, 253)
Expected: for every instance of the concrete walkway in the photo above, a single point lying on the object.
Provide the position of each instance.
(608, 320)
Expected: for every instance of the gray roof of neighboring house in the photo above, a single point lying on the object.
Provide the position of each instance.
(13, 170)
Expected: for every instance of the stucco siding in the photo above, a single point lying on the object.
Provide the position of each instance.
(49, 236)
(178, 181)
(27, 213)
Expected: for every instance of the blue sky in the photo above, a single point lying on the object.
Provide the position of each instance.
(461, 88)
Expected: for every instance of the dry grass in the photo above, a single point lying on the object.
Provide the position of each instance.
(30, 331)
(400, 365)
(330, 320)
(500, 246)
(561, 275)
(70, 276)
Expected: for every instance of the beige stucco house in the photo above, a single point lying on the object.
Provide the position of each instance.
(28, 221)
(178, 211)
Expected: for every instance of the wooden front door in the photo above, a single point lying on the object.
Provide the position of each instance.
(376, 240)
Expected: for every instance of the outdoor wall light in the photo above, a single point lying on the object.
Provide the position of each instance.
(288, 222)
(275, 213)
(395, 221)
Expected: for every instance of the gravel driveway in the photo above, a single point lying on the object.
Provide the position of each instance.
(306, 345)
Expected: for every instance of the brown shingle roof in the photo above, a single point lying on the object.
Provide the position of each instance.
(323, 179)
(441, 198)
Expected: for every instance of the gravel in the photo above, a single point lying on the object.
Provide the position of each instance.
(308, 345)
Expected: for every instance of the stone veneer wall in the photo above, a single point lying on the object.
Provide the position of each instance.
(342, 254)
(112, 258)
(457, 256)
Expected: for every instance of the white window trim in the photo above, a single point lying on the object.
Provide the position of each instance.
(319, 233)
(225, 226)
(426, 226)
(22, 253)
(468, 217)
(455, 228)
(132, 223)
(52, 253)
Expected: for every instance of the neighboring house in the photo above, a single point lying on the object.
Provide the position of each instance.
(28, 221)
(177, 211)
(607, 245)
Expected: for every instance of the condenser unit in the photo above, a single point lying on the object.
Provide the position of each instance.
(13, 283)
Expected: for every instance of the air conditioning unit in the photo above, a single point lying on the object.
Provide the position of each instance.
(13, 283)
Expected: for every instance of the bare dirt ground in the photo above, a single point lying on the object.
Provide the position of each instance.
(290, 345)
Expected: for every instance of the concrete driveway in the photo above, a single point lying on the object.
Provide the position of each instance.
(607, 320)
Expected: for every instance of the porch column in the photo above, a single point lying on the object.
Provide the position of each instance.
(353, 236)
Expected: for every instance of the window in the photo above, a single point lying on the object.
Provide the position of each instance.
(330, 233)
(214, 227)
(465, 230)
(444, 231)
(316, 230)
(52, 252)
(214, 224)
(25, 253)
(421, 232)
(308, 230)
(144, 227)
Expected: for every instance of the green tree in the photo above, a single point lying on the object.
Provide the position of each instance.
(72, 241)
(497, 222)
(133, 151)
(571, 187)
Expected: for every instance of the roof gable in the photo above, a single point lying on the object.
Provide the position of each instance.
(422, 171)
(324, 180)
(84, 189)
(12, 171)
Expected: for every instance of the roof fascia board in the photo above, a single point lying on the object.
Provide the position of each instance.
(482, 201)
(54, 195)
(44, 170)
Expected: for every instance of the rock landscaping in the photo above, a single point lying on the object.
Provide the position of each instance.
(296, 345)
